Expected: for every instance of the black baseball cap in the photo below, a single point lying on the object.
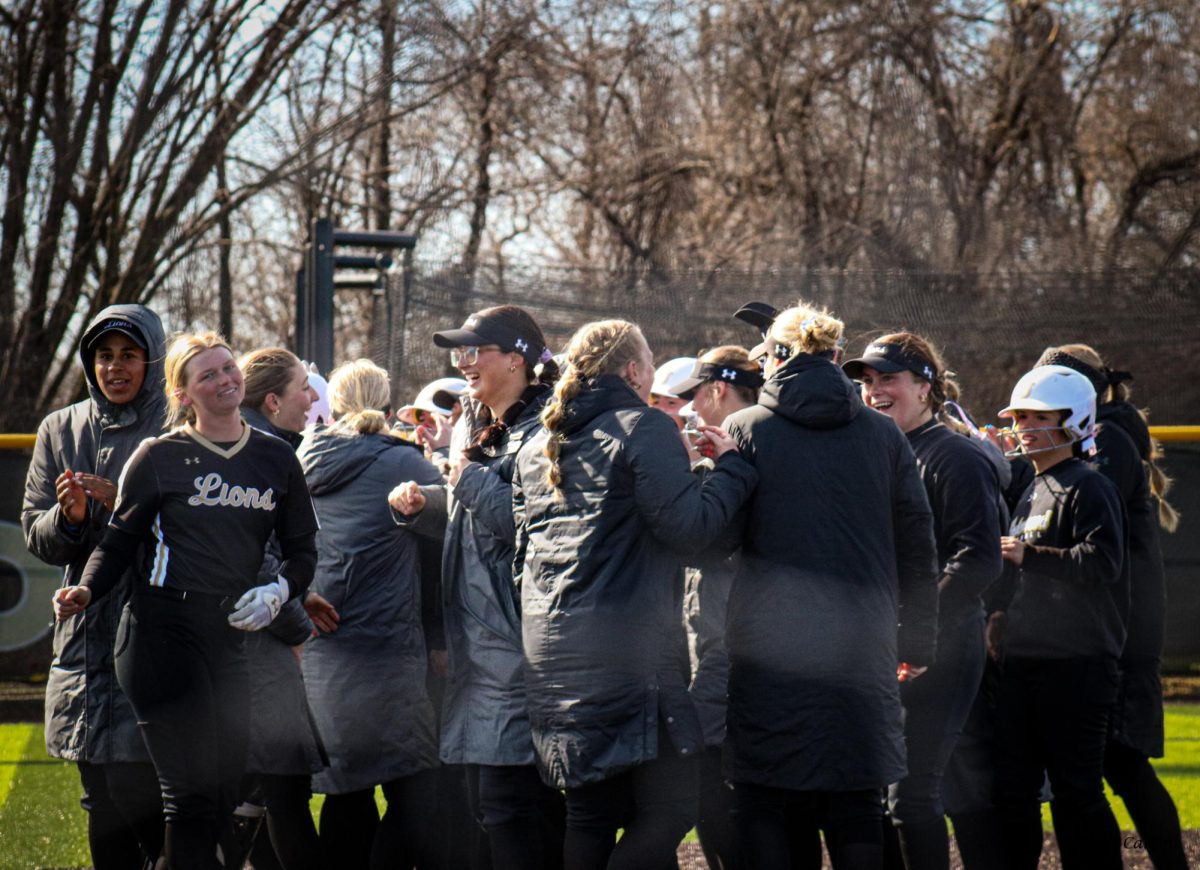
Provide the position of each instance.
(499, 328)
(122, 325)
(890, 358)
(704, 372)
(760, 315)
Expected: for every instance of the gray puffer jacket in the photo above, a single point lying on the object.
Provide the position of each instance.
(601, 590)
(484, 720)
(366, 681)
(88, 717)
(282, 739)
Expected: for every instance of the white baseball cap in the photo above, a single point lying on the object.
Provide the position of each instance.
(437, 397)
(672, 373)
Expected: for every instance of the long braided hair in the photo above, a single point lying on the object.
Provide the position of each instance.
(600, 348)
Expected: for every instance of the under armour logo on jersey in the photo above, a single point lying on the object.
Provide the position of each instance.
(521, 345)
(195, 460)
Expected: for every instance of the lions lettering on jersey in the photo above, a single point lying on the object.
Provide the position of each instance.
(229, 496)
(1036, 523)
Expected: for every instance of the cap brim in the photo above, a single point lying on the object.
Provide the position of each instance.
(686, 389)
(854, 367)
(760, 315)
(137, 339)
(459, 338)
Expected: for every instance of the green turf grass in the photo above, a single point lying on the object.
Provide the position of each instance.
(41, 824)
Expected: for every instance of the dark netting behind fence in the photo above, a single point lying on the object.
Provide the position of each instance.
(991, 328)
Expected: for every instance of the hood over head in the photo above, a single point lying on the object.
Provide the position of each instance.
(333, 459)
(139, 322)
(813, 392)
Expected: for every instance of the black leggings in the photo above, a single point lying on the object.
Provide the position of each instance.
(125, 820)
(353, 835)
(348, 825)
(289, 840)
(1052, 720)
(655, 802)
(779, 829)
(183, 669)
(1149, 803)
(715, 828)
(524, 818)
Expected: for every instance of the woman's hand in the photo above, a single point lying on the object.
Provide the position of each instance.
(1012, 549)
(695, 453)
(435, 437)
(716, 439)
(70, 600)
(324, 615)
(456, 469)
(907, 673)
(407, 499)
(72, 498)
(997, 625)
(100, 488)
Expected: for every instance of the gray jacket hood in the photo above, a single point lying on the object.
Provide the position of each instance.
(150, 402)
(333, 459)
(812, 392)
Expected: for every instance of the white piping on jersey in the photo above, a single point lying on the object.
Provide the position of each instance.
(162, 555)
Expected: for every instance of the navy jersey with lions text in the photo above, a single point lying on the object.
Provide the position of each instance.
(206, 510)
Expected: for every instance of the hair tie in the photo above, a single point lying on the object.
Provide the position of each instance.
(808, 322)
(546, 355)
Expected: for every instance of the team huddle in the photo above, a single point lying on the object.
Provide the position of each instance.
(566, 607)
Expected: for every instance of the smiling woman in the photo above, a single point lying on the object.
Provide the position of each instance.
(180, 653)
(69, 493)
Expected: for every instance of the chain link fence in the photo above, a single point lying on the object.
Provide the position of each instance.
(990, 328)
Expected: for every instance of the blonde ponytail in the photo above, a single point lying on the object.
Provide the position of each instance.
(808, 329)
(358, 396)
(599, 348)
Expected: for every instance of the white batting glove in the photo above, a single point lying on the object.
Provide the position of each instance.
(259, 606)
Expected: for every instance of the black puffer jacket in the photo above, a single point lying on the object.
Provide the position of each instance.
(87, 715)
(604, 646)
(1123, 445)
(837, 585)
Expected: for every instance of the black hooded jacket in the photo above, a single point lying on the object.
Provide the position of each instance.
(1123, 445)
(87, 715)
(598, 568)
(838, 584)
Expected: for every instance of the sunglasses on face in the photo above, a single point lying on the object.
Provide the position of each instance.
(468, 356)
